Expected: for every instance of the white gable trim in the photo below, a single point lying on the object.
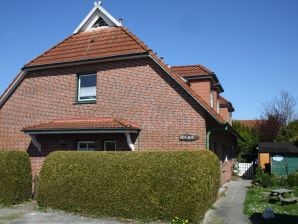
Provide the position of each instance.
(93, 16)
(12, 87)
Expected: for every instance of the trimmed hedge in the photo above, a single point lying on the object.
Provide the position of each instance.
(15, 174)
(138, 185)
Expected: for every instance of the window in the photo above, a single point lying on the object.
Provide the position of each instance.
(86, 146)
(100, 22)
(109, 145)
(211, 98)
(87, 87)
(217, 107)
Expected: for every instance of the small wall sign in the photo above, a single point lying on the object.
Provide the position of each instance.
(188, 137)
(278, 158)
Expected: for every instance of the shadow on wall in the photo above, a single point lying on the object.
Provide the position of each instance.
(256, 218)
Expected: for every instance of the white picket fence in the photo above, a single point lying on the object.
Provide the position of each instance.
(246, 169)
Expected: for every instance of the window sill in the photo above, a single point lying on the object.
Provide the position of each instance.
(85, 102)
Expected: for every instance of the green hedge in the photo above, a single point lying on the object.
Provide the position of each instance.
(15, 174)
(293, 179)
(139, 185)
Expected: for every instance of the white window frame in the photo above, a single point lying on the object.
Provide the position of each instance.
(79, 87)
(85, 142)
(109, 141)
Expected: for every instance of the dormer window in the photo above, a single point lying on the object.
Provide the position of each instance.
(211, 98)
(86, 87)
(100, 22)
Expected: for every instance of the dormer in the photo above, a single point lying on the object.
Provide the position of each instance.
(203, 81)
(225, 109)
(98, 17)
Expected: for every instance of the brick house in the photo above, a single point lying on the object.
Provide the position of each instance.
(102, 88)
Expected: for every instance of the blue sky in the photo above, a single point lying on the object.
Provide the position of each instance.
(252, 46)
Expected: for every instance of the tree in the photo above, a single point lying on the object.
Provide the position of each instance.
(289, 133)
(283, 107)
(277, 114)
(250, 139)
(269, 127)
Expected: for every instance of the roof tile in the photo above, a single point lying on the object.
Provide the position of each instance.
(82, 124)
(98, 43)
(191, 70)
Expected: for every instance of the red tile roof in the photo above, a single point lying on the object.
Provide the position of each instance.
(248, 123)
(223, 102)
(191, 70)
(94, 44)
(113, 41)
(82, 124)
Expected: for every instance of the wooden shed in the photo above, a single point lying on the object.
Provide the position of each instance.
(278, 158)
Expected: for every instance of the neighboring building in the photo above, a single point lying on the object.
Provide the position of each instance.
(102, 88)
(249, 123)
(278, 158)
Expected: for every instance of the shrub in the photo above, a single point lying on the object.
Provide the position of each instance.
(293, 179)
(139, 185)
(258, 175)
(279, 181)
(15, 173)
(266, 180)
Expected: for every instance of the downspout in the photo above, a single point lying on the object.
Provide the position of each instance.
(129, 142)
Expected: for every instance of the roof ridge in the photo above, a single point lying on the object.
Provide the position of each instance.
(45, 52)
(136, 39)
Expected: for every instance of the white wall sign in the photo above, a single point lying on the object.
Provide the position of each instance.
(188, 137)
(278, 158)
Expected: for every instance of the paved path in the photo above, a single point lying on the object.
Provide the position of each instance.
(27, 214)
(229, 208)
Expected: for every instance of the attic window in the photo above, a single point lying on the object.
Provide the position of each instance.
(100, 22)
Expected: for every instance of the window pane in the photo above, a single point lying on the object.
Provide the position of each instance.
(82, 146)
(86, 146)
(88, 80)
(87, 88)
(91, 146)
(87, 93)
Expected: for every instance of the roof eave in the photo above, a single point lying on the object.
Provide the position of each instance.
(81, 131)
(87, 61)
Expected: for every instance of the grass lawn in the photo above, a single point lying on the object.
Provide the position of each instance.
(256, 202)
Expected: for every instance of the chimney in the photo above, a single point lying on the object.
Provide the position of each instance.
(120, 21)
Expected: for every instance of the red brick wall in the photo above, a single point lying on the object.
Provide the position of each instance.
(36, 164)
(138, 91)
(225, 114)
(202, 88)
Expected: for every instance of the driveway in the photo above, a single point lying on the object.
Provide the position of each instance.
(27, 214)
(229, 208)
